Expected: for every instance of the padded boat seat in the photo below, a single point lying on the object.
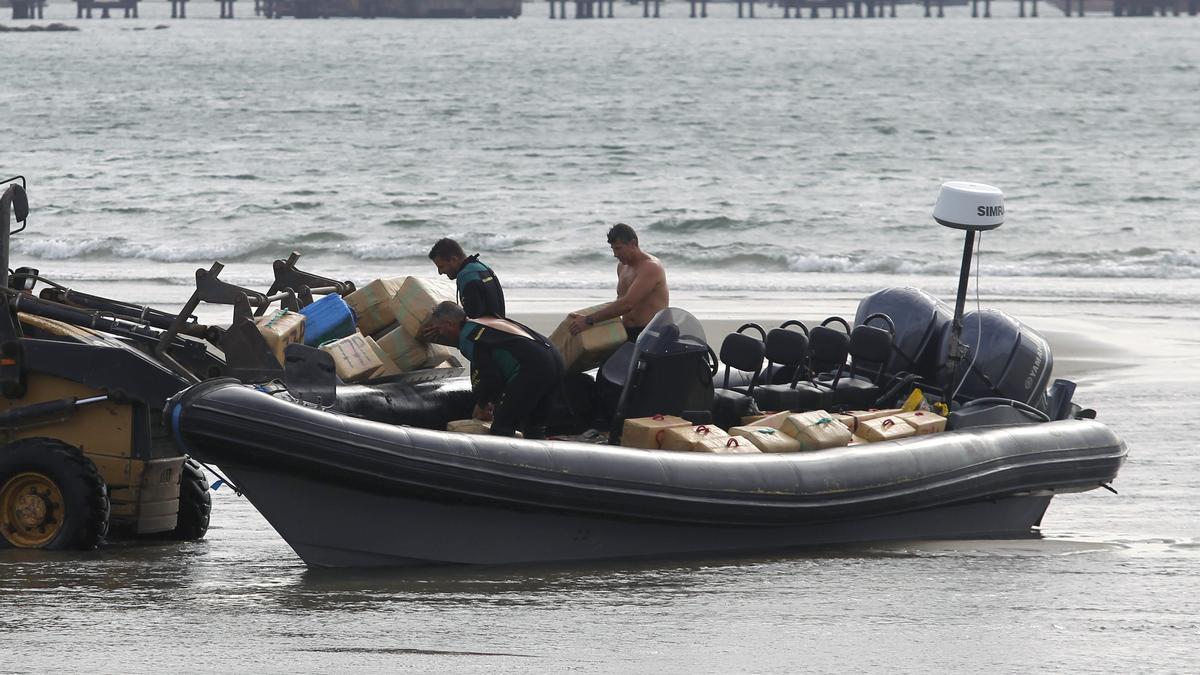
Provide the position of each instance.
(787, 352)
(870, 347)
(731, 404)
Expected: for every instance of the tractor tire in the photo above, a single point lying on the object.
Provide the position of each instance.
(51, 497)
(195, 503)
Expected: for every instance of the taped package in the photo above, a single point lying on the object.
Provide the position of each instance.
(689, 437)
(885, 429)
(591, 346)
(372, 304)
(646, 432)
(728, 445)
(280, 329)
(766, 439)
(816, 430)
(354, 357)
(924, 421)
(473, 426)
(416, 298)
(407, 353)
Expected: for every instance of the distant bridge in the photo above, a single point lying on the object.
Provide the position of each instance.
(599, 9)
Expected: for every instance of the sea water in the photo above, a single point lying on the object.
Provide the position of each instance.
(778, 168)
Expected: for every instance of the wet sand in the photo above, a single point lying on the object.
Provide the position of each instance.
(1113, 580)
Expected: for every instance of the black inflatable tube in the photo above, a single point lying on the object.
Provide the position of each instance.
(223, 422)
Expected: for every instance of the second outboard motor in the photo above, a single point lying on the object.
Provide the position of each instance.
(1011, 361)
(921, 320)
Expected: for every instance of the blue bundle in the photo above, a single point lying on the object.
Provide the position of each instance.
(327, 319)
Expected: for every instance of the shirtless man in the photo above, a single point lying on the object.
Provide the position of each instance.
(641, 286)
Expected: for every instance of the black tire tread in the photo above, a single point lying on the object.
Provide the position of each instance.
(79, 479)
(195, 503)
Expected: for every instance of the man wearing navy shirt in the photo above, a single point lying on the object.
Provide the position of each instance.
(479, 290)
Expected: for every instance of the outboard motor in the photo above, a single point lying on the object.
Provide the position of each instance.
(1004, 358)
(921, 321)
(668, 371)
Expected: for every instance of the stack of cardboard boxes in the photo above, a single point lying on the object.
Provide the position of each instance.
(390, 315)
(781, 432)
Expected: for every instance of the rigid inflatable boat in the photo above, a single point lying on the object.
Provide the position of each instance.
(357, 476)
(345, 490)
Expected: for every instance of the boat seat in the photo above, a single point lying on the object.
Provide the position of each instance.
(744, 352)
(827, 348)
(870, 348)
(788, 351)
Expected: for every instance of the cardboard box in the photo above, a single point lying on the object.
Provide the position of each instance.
(689, 437)
(372, 304)
(645, 432)
(885, 429)
(388, 368)
(354, 357)
(405, 351)
(416, 298)
(766, 439)
(853, 418)
(816, 430)
(774, 420)
(728, 445)
(280, 329)
(592, 346)
(858, 440)
(473, 426)
(924, 421)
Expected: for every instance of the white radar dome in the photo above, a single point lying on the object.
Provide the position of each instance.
(969, 206)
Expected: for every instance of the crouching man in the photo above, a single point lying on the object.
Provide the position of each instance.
(514, 370)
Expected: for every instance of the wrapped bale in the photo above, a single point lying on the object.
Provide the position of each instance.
(280, 329)
(416, 298)
(473, 426)
(816, 430)
(766, 439)
(725, 446)
(853, 418)
(372, 304)
(885, 429)
(646, 432)
(354, 357)
(773, 420)
(924, 422)
(690, 437)
(590, 347)
(388, 368)
(409, 353)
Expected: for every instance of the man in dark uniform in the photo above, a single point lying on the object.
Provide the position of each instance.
(512, 367)
(479, 290)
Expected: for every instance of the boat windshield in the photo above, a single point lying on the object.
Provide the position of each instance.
(671, 331)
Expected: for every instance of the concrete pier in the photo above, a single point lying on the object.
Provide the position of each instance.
(28, 9)
(83, 8)
(407, 9)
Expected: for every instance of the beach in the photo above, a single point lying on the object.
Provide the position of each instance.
(1115, 575)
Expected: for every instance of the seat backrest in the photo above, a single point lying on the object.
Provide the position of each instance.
(870, 349)
(786, 347)
(744, 353)
(829, 348)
